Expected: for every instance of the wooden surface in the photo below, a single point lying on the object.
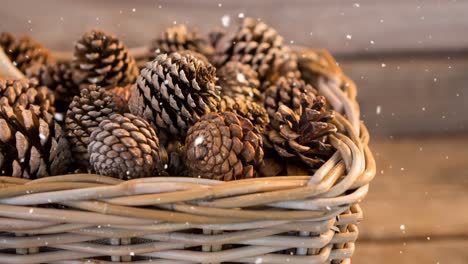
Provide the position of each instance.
(417, 203)
(397, 25)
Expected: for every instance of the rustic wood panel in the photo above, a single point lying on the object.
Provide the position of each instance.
(433, 252)
(390, 25)
(420, 191)
(412, 94)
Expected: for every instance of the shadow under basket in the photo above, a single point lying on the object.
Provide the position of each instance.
(86, 218)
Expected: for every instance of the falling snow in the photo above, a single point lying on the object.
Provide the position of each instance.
(240, 77)
(241, 15)
(383, 65)
(226, 20)
(349, 36)
(199, 140)
(378, 110)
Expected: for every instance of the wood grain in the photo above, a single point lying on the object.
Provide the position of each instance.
(429, 251)
(412, 94)
(421, 189)
(390, 25)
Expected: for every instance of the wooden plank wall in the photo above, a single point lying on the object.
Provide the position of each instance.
(422, 44)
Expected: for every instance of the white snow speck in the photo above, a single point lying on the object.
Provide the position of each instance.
(240, 77)
(166, 82)
(356, 5)
(381, 20)
(402, 169)
(423, 108)
(127, 172)
(42, 136)
(165, 166)
(378, 110)
(226, 20)
(134, 10)
(402, 227)
(372, 42)
(29, 21)
(220, 5)
(157, 51)
(241, 15)
(199, 140)
(328, 208)
(159, 6)
(349, 36)
(258, 260)
(31, 211)
(292, 41)
(132, 253)
(383, 65)
(435, 79)
(428, 238)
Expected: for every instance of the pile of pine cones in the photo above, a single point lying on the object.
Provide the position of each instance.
(227, 107)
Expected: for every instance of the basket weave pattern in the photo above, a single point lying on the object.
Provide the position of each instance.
(84, 218)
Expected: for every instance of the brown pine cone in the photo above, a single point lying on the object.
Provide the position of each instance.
(32, 143)
(172, 155)
(254, 43)
(286, 91)
(125, 147)
(174, 91)
(215, 35)
(300, 136)
(59, 78)
(83, 117)
(121, 95)
(223, 146)
(103, 60)
(24, 52)
(179, 38)
(289, 68)
(236, 79)
(245, 108)
(21, 93)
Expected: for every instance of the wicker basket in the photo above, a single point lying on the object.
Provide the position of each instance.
(86, 218)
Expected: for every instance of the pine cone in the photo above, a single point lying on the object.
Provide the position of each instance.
(236, 79)
(172, 155)
(300, 136)
(21, 93)
(289, 68)
(59, 78)
(254, 43)
(24, 52)
(103, 60)
(223, 146)
(286, 91)
(174, 91)
(124, 146)
(83, 117)
(32, 144)
(215, 35)
(121, 95)
(179, 38)
(245, 108)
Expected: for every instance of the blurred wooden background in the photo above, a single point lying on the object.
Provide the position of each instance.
(410, 61)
